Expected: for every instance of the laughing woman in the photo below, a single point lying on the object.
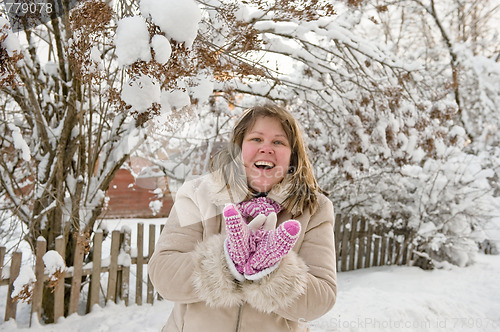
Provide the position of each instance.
(250, 246)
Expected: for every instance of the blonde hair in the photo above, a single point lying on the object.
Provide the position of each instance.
(303, 187)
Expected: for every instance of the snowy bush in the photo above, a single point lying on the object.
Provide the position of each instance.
(390, 140)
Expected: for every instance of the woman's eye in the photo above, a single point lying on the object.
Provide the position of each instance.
(256, 139)
(279, 142)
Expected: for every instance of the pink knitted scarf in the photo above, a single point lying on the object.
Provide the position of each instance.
(258, 205)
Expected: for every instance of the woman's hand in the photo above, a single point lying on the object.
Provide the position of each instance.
(270, 246)
(238, 235)
(257, 248)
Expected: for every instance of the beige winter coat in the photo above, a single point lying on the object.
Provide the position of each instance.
(189, 268)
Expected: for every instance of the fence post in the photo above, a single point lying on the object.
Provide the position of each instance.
(139, 263)
(158, 296)
(77, 274)
(369, 240)
(2, 257)
(152, 241)
(36, 301)
(352, 252)
(113, 266)
(95, 279)
(361, 243)
(409, 257)
(126, 268)
(398, 251)
(376, 248)
(383, 245)
(346, 229)
(406, 250)
(390, 250)
(338, 237)
(59, 288)
(15, 266)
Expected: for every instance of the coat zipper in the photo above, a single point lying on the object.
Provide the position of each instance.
(238, 321)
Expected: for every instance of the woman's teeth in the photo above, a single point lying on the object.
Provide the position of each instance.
(264, 164)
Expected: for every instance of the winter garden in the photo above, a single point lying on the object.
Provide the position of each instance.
(399, 101)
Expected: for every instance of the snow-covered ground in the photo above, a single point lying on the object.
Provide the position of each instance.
(387, 298)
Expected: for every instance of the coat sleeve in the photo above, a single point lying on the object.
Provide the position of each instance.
(304, 287)
(172, 261)
(186, 267)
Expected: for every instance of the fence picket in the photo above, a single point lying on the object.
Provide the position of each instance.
(383, 245)
(139, 263)
(409, 256)
(406, 244)
(36, 300)
(390, 251)
(113, 266)
(76, 281)
(345, 243)
(127, 236)
(399, 251)
(2, 257)
(15, 267)
(95, 278)
(152, 241)
(369, 243)
(376, 250)
(338, 236)
(361, 245)
(352, 242)
(59, 288)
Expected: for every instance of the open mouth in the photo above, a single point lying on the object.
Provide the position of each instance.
(264, 165)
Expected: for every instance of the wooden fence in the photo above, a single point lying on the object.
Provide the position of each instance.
(358, 245)
(117, 267)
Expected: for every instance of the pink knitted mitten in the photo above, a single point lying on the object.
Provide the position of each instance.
(238, 235)
(259, 205)
(271, 246)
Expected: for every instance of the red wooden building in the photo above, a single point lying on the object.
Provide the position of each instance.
(138, 191)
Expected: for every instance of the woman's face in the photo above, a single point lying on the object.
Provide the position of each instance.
(266, 154)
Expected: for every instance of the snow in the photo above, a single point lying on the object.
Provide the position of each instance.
(19, 142)
(51, 68)
(124, 259)
(11, 42)
(247, 13)
(178, 98)
(155, 206)
(53, 262)
(132, 40)
(141, 93)
(162, 48)
(426, 228)
(178, 19)
(390, 298)
(202, 88)
(26, 278)
(95, 55)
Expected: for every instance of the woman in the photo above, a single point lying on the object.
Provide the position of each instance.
(226, 275)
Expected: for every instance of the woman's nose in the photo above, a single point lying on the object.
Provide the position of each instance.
(266, 148)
